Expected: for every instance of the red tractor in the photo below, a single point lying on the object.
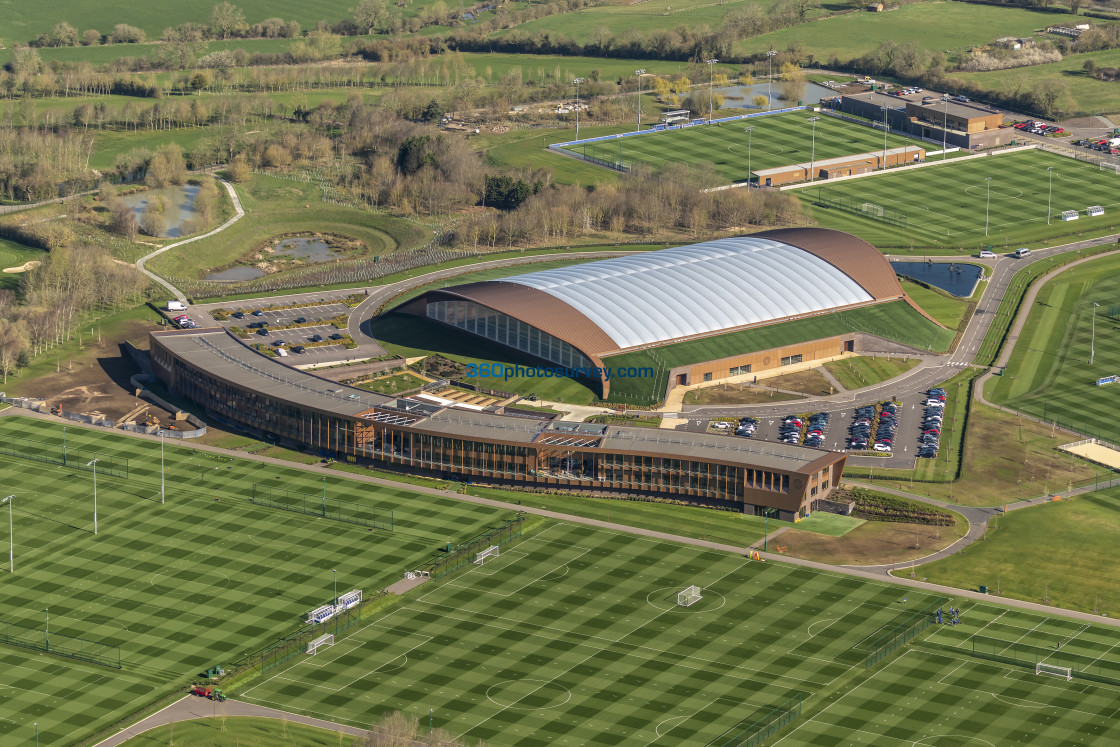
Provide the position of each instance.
(208, 691)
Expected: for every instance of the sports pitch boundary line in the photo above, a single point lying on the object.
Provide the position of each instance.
(582, 661)
(305, 683)
(655, 653)
(978, 632)
(898, 658)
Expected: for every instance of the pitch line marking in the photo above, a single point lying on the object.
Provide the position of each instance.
(978, 632)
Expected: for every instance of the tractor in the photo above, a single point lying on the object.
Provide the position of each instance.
(208, 691)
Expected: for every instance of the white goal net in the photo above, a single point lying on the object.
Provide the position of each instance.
(323, 640)
(1113, 167)
(872, 208)
(489, 552)
(689, 596)
(1042, 668)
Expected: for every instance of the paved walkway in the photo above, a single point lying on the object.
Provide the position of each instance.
(140, 263)
(192, 707)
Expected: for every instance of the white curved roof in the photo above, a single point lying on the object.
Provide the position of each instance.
(697, 289)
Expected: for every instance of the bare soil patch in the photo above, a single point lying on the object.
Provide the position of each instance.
(872, 543)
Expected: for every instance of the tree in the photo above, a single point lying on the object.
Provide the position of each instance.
(226, 20)
(182, 44)
(277, 155)
(369, 14)
(13, 341)
(63, 35)
(760, 101)
(125, 34)
(1051, 95)
(1075, 6)
(123, 221)
(238, 171)
(91, 37)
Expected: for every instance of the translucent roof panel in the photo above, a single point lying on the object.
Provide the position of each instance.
(697, 289)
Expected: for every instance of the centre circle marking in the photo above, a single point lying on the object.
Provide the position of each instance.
(545, 688)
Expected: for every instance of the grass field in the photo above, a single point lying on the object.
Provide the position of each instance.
(859, 371)
(734, 394)
(242, 731)
(275, 206)
(895, 321)
(956, 218)
(182, 586)
(1089, 95)
(1078, 536)
(946, 308)
(934, 26)
(777, 140)
(573, 637)
(15, 255)
(1048, 374)
(871, 542)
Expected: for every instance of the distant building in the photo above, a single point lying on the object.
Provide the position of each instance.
(957, 124)
(830, 168)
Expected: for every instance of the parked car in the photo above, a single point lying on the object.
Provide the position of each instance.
(299, 320)
(987, 254)
(238, 315)
(258, 312)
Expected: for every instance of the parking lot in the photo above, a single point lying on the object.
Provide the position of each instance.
(257, 321)
(906, 441)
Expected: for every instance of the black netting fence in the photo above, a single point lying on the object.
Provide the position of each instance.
(1028, 654)
(60, 645)
(465, 553)
(760, 725)
(51, 453)
(321, 505)
(861, 206)
(900, 631)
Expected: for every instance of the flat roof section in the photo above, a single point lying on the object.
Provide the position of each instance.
(216, 352)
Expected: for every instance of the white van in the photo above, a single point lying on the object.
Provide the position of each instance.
(987, 254)
(1022, 252)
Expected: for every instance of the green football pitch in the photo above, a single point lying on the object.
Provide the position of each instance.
(573, 637)
(177, 587)
(1048, 374)
(947, 205)
(777, 140)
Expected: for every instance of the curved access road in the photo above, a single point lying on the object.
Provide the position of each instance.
(239, 213)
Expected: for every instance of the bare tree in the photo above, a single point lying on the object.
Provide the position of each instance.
(13, 341)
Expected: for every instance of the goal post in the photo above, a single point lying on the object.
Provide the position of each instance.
(323, 640)
(489, 552)
(1109, 166)
(689, 596)
(1044, 668)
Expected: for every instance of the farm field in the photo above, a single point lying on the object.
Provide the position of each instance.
(777, 140)
(656, 15)
(1048, 374)
(1089, 95)
(178, 587)
(956, 218)
(573, 636)
(933, 25)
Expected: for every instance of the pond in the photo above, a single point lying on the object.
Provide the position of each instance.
(178, 204)
(739, 97)
(243, 272)
(308, 249)
(957, 278)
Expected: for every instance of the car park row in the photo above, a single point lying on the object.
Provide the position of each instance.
(930, 440)
(874, 426)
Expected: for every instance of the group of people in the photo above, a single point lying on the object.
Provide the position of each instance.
(953, 618)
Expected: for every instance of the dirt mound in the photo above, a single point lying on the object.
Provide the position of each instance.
(24, 267)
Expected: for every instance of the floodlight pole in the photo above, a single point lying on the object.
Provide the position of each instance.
(1050, 194)
(162, 491)
(1093, 343)
(11, 536)
(944, 126)
(93, 463)
(711, 77)
(987, 203)
(64, 446)
(770, 77)
(577, 81)
(640, 73)
(813, 156)
(750, 135)
(765, 528)
(324, 495)
(47, 628)
(335, 572)
(884, 137)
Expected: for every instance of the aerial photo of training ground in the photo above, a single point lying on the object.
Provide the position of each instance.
(595, 374)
